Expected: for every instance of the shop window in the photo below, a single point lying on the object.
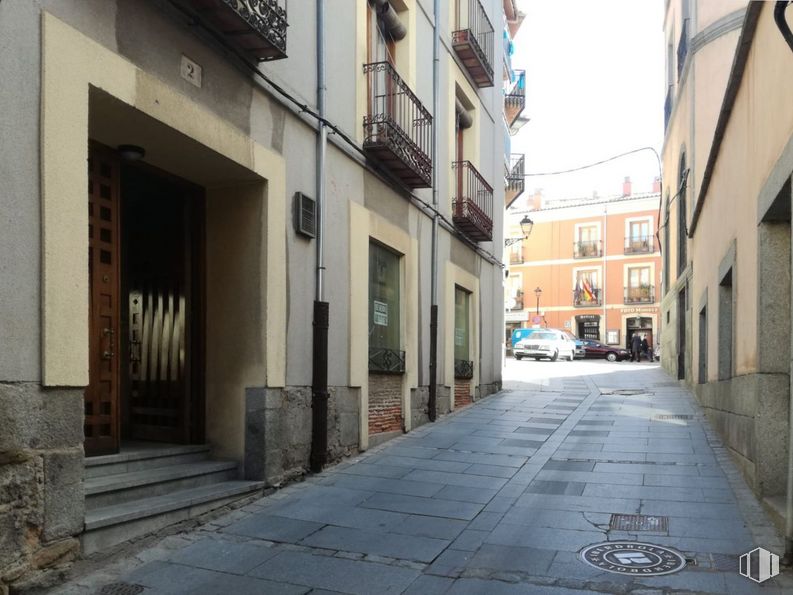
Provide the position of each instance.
(463, 367)
(384, 311)
(725, 326)
(703, 345)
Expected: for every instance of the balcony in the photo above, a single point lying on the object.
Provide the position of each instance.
(668, 105)
(642, 245)
(398, 129)
(515, 182)
(463, 369)
(515, 101)
(473, 42)
(386, 361)
(257, 27)
(516, 258)
(586, 299)
(644, 294)
(472, 208)
(682, 49)
(587, 249)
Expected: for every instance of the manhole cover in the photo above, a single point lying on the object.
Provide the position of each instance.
(633, 558)
(639, 522)
(121, 589)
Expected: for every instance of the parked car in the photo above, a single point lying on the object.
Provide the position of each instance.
(548, 343)
(596, 349)
(520, 334)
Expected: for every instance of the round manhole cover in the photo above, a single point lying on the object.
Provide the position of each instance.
(633, 558)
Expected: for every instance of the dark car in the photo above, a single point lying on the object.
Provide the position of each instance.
(597, 350)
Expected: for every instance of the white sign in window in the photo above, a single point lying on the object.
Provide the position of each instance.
(380, 313)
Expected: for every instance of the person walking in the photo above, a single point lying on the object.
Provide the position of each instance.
(636, 346)
(646, 348)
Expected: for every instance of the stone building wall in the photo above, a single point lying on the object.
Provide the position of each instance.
(462, 393)
(385, 403)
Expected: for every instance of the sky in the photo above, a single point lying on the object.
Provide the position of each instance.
(595, 88)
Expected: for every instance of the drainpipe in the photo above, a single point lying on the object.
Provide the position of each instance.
(319, 378)
(432, 402)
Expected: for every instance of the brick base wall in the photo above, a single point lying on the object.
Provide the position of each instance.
(385, 403)
(462, 393)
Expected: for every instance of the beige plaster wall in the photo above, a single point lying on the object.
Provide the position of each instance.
(760, 126)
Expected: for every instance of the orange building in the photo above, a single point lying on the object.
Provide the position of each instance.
(591, 266)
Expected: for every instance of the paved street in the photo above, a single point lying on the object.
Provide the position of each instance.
(497, 498)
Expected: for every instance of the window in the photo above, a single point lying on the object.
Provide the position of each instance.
(682, 232)
(725, 326)
(462, 300)
(703, 345)
(639, 287)
(381, 45)
(587, 243)
(666, 246)
(638, 239)
(384, 278)
(586, 290)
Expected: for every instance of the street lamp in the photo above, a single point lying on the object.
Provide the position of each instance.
(526, 226)
(538, 293)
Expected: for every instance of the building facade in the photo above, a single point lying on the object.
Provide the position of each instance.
(738, 289)
(267, 232)
(589, 266)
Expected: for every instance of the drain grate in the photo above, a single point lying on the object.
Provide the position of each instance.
(639, 522)
(673, 416)
(627, 392)
(121, 589)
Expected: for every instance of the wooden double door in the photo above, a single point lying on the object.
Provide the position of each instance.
(145, 309)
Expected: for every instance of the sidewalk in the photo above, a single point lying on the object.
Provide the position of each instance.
(497, 498)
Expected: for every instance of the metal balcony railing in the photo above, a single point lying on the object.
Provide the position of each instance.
(587, 249)
(472, 207)
(386, 361)
(641, 245)
(682, 49)
(514, 180)
(584, 299)
(257, 27)
(644, 294)
(463, 369)
(516, 258)
(473, 41)
(398, 128)
(515, 99)
(668, 105)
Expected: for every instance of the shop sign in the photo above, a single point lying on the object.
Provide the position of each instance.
(639, 310)
(520, 316)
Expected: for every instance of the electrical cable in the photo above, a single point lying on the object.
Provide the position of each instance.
(305, 109)
(596, 163)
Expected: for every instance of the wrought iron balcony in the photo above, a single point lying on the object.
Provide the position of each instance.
(463, 369)
(398, 128)
(668, 105)
(473, 42)
(587, 249)
(386, 361)
(472, 208)
(515, 182)
(682, 49)
(642, 245)
(644, 294)
(515, 100)
(257, 27)
(584, 299)
(516, 258)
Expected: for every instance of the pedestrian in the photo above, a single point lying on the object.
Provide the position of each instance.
(645, 348)
(636, 346)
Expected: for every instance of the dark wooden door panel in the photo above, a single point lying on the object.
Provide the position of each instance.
(102, 393)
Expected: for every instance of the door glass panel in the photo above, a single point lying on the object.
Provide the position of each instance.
(461, 324)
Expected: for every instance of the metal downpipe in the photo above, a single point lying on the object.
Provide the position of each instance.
(319, 377)
(432, 402)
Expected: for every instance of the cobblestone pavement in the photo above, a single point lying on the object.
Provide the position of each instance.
(497, 498)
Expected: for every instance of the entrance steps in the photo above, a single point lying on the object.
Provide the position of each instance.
(147, 487)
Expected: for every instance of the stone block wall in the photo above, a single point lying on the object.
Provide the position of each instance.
(385, 403)
(41, 483)
(462, 393)
(278, 430)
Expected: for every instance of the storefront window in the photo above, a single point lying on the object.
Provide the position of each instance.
(462, 300)
(383, 298)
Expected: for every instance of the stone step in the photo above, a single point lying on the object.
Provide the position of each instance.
(110, 525)
(119, 488)
(144, 456)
